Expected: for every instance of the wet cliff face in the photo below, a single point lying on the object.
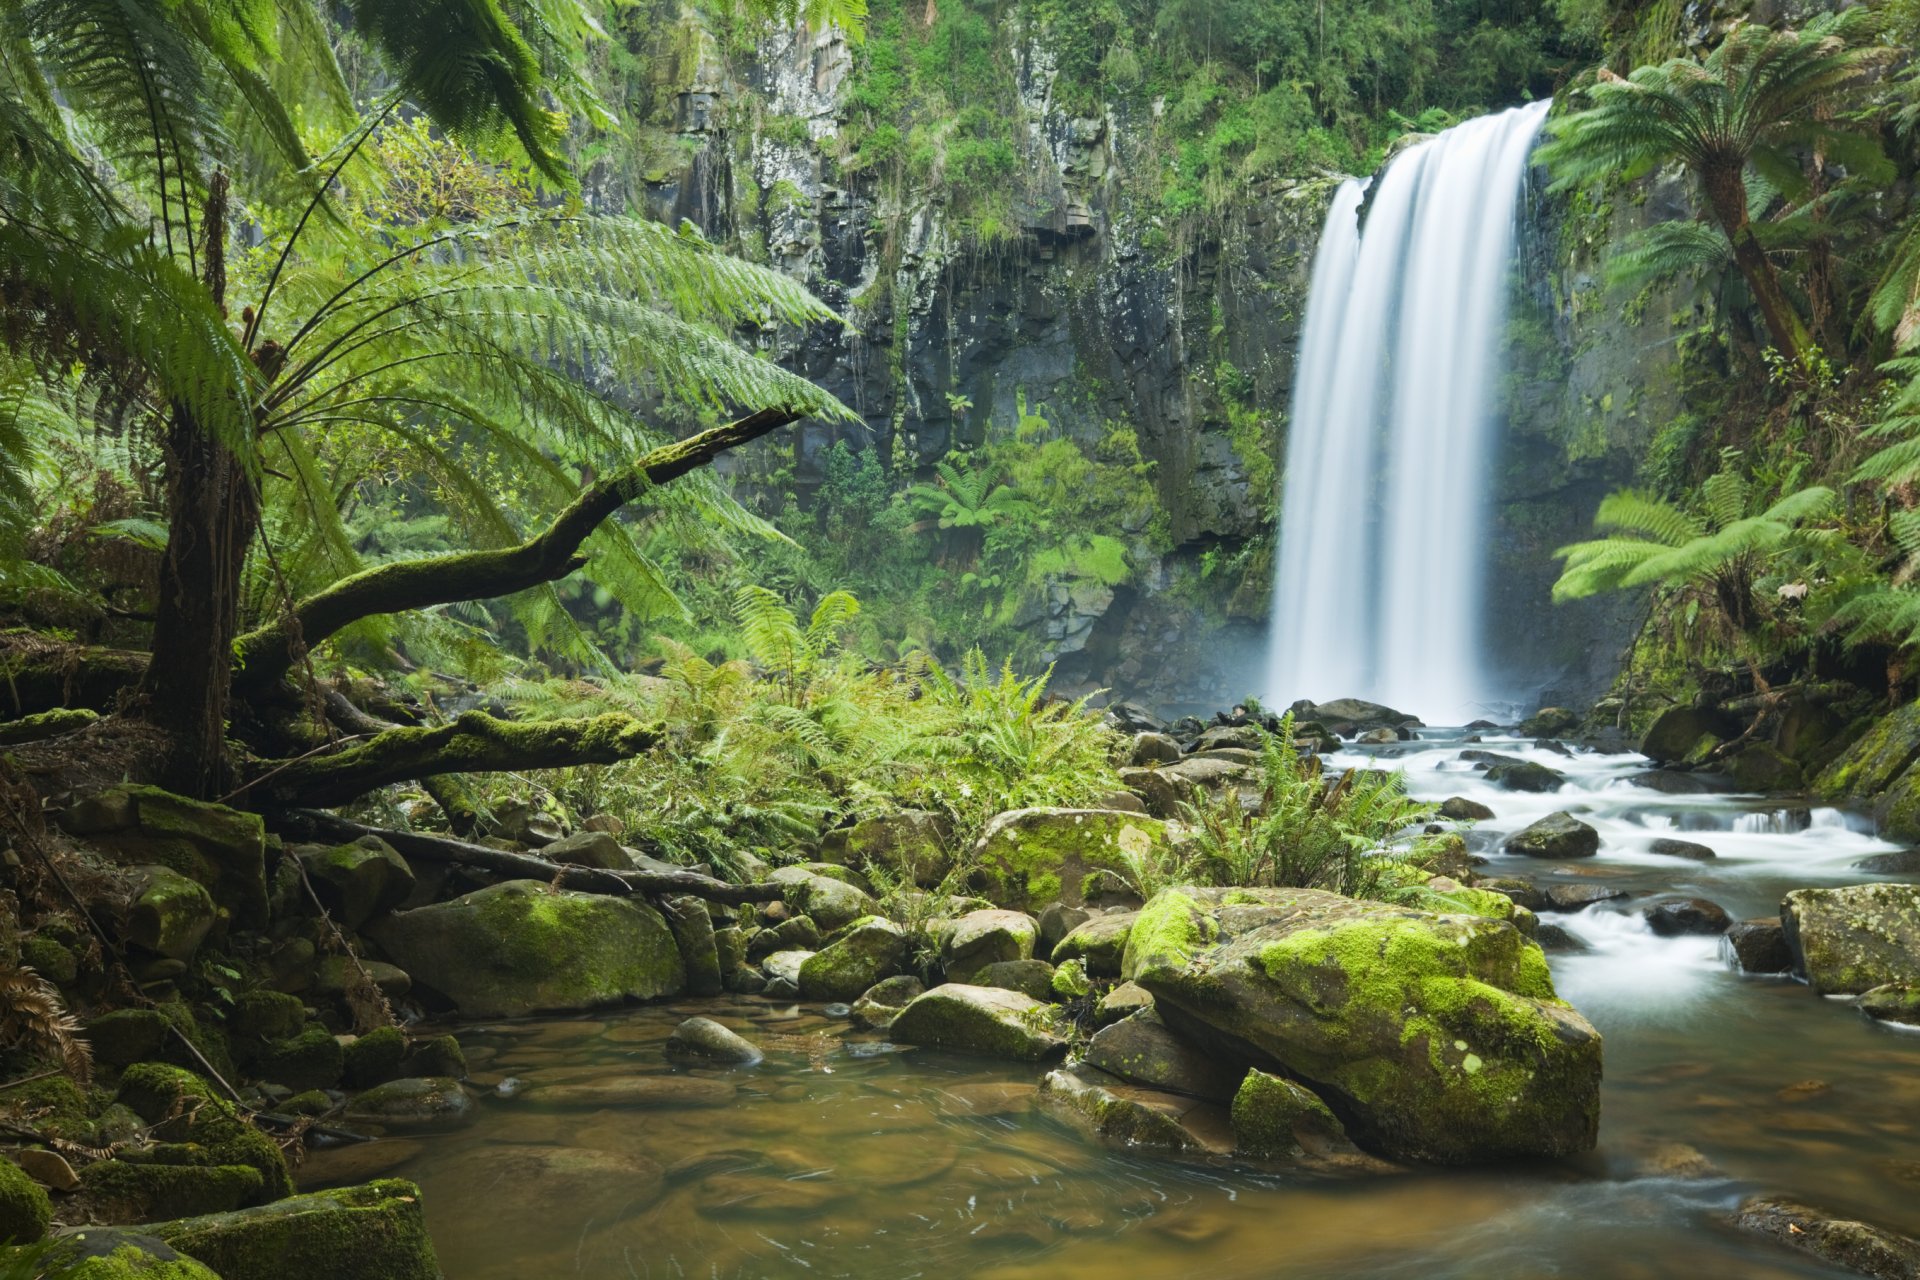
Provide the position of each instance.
(1095, 312)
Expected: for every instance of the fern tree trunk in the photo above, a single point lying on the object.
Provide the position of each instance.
(1726, 190)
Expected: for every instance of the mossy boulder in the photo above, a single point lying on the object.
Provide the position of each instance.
(914, 843)
(126, 1191)
(692, 924)
(356, 882)
(111, 1253)
(1141, 1050)
(1028, 977)
(589, 849)
(1028, 858)
(1845, 1243)
(371, 1232)
(867, 951)
(160, 1034)
(1099, 943)
(313, 1059)
(266, 1015)
(436, 1056)
(1885, 752)
(1434, 1037)
(170, 914)
(25, 1209)
(980, 938)
(830, 903)
(703, 1038)
(1851, 940)
(1525, 775)
(183, 1109)
(987, 1021)
(222, 849)
(518, 947)
(798, 934)
(418, 1104)
(1558, 835)
(1113, 1111)
(1279, 1119)
(1897, 809)
(1548, 722)
(374, 1058)
(1760, 767)
(1676, 731)
(881, 1003)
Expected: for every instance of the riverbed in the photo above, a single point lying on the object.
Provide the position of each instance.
(842, 1156)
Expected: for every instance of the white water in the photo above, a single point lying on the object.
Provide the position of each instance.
(1379, 590)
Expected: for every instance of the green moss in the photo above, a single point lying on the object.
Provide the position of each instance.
(370, 1232)
(1070, 981)
(267, 1015)
(108, 1253)
(869, 950)
(312, 1059)
(1037, 856)
(25, 1209)
(1170, 930)
(437, 1056)
(48, 958)
(147, 1191)
(184, 1108)
(374, 1058)
(1271, 1115)
(1002, 1025)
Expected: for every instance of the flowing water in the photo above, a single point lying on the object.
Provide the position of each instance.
(839, 1157)
(1391, 419)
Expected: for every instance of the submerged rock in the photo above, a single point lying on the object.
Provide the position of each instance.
(417, 1105)
(1896, 1002)
(1848, 941)
(989, 1021)
(1670, 848)
(1031, 857)
(1558, 835)
(1904, 863)
(1439, 1037)
(1128, 1115)
(705, 1038)
(518, 947)
(1855, 1246)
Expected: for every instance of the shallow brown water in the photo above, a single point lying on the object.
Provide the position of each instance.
(835, 1157)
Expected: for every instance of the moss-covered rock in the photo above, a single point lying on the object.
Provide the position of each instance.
(988, 1021)
(518, 947)
(1851, 940)
(126, 1191)
(977, 939)
(1896, 1002)
(831, 903)
(50, 958)
(160, 1034)
(1124, 1000)
(1028, 977)
(706, 1039)
(371, 1232)
(110, 1253)
(373, 1058)
(1070, 981)
(436, 1056)
(913, 843)
(419, 1104)
(1275, 1119)
(692, 924)
(1438, 1037)
(589, 849)
(869, 950)
(170, 914)
(1548, 722)
(267, 1015)
(313, 1059)
(222, 849)
(1028, 858)
(182, 1108)
(25, 1209)
(356, 882)
(1675, 732)
(881, 1003)
(1846, 1243)
(1141, 1050)
(798, 934)
(1525, 775)
(1112, 1111)
(1876, 760)
(1099, 943)
(1760, 767)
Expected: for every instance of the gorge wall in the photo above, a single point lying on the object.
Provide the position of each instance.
(1090, 306)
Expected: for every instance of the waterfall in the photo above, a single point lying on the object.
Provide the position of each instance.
(1379, 584)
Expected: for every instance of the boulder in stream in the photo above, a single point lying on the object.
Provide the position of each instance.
(371, 1232)
(1896, 1002)
(870, 949)
(1904, 863)
(1676, 917)
(1437, 1037)
(1851, 1245)
(705, 1038)
(989, 1021)
(1524, 775)
(1758, 946)
(1461, 809)
(1558, 835)
(1851, 940)
(1667, 847)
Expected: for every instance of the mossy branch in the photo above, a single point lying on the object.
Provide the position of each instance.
(473, 743)
(267, 654)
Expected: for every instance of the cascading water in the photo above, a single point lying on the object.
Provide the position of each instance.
(1383, 526)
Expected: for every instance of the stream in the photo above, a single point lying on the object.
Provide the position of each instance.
(840, 1157)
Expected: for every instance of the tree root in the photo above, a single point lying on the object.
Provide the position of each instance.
(524, 866)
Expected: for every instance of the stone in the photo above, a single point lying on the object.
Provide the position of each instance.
(1348, 716)
(374, 1058)
(1031, 857)
(1141, 1050)
(1904, 863)
(705, 1038)
(371, 1232)
(798, 934)
(1524, 893)
(221, 849)
(1556, 940)
(336, 975)
(126, 1036)
(1897, 1002)
(518, 947)
(181, 1108)
(1151, 749)
(1128, 1116)
(419, 1104)
(48, 1168)
(880, 1004)
(529, 1187)
(1461, 809)
(124, 1191)
(1099, 943)
(980, 938)
(170, 914)
(266, 1015)
(435, 1056)
(607, 822)
(833, 904)
(1524, 775)
(914, 843)
(1244, 737)
(1850, 1245)
(1056, 921)
(868, 950)
(691, 922)
(1760, 767)
(1578, 897)
(1160, 791)
(1676, 731)
(1668, 847)
(987, 1021)
(25, 1209)
(1378, 737)
(1124, 1000)
(1669, 782)
(1131, 717)
(1436, 1037)
(1069, 982)
(111, 1253)
(1275, 1118)
(523, 824)
(1758, 946)
(589, 849)
(1674, 918)
(313, 1059)
(1548, 722)
(1558, 835)
(356, 882)
(1029, 977)
(1848, 941)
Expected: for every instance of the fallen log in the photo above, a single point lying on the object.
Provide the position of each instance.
(523, 866)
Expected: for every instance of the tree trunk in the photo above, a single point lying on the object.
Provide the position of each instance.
(215, 514)
(1726, 190)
